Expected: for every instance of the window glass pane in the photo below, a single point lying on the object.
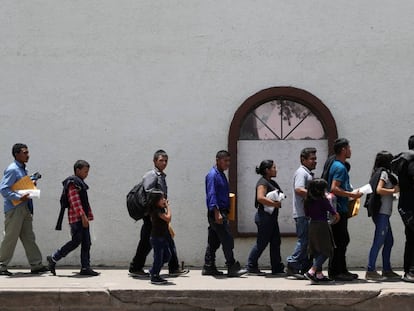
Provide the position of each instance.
(281, 119)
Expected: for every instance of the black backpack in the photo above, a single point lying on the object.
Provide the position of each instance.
(136, 201)
(400, 162)
(327, 167)
(373, 200)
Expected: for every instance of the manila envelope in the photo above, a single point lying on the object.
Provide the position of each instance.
(22, 184)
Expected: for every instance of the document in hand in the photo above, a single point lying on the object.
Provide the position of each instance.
(24, 183)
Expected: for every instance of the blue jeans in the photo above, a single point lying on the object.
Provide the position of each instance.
(299, 259)
(318, 261)
(267, 233)
(80, 236)
(383, 238)
(162, 254)
(144, 248)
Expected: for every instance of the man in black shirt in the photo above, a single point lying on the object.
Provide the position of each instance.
(406, 209)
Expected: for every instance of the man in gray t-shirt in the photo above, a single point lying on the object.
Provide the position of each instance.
(298, 263)
(301, 179)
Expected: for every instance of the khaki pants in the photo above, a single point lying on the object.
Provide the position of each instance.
(18, 224)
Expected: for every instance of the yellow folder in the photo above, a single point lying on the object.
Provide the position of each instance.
(232, 211)
(22, 184)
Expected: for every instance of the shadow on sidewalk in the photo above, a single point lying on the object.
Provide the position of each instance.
(17, 275)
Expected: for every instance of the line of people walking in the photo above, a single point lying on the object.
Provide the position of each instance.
(319, 236)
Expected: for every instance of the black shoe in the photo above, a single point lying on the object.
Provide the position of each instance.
(157, 280)
(255, 271)
(290, 271)
(279, 273)
(51, 265)
(139, 273)
(312, 278)
(294, 273)
(342, 277)
(325, 280)
(178, 272)
(39, 270)
(88, 271)
(211, 270)
(353, 275)
(6, 273)
(235, 270)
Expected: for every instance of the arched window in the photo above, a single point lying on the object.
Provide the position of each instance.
(276, 124)
(281, 119)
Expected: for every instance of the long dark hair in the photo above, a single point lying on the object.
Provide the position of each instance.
(154, 196)
(316, 190)
(383, 161)
(264, 165)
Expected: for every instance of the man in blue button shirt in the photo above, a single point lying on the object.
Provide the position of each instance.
(19, 218)
(218, 205)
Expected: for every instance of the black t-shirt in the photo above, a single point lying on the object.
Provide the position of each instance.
(270, 186)
(407, 188)
(159, 226)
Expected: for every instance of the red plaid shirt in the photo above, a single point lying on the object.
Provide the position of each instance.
(75, 211)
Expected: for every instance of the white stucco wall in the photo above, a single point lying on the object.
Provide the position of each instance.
(112, 81)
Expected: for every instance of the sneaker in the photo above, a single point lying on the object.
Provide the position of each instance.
(138, 273)
(255, 271)
(374, 276)
(157, 280)
(178, 272)
(51, 264)
(408, 277)
(40, 270)
(235, 270)
(6, 273)
(88, 271)
(391, 275)
(342, 277)
(211, 270)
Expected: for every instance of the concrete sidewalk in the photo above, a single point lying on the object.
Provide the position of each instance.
(116, 291)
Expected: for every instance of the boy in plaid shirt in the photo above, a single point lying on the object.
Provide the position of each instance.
(75, 198)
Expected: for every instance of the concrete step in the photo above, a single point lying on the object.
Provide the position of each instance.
(114, 290)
